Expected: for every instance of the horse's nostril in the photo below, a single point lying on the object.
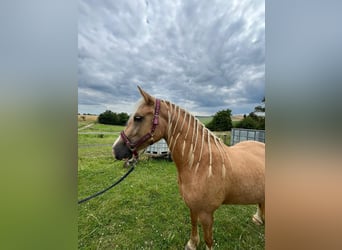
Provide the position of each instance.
(121, 151)
(116, 156)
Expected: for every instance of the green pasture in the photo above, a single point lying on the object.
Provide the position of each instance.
(204, 119)
(207, 119)
(145, 211)
(83, 123)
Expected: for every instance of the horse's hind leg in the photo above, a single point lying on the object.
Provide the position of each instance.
(194, 237)
(259, 216)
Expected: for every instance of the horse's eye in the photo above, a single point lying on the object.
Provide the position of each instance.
(138, 118)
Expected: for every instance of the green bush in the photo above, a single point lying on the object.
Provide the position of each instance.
(122, 118)
(221, 121)
(252, 121)
(109, 117)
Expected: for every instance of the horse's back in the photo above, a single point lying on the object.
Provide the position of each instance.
(250, 146)
(253, 151)
(248, 172)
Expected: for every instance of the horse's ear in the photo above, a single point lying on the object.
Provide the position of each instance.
(148, 99)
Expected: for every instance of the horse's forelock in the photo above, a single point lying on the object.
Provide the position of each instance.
(135, 107)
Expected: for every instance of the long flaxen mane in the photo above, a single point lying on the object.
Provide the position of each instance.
(190, 141)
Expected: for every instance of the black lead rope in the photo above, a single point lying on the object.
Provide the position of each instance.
(113, 185)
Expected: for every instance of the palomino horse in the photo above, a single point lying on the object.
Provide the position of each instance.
(209, 172)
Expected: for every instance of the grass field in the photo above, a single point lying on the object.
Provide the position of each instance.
(146, 211)
(206, 119)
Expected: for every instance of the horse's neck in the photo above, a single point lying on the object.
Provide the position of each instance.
(189, 141)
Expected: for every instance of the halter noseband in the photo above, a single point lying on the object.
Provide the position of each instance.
(133, 146)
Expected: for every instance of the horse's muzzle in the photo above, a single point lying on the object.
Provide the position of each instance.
(121, 151)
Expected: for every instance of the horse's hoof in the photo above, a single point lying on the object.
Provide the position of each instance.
(190, 246)
(257, 220)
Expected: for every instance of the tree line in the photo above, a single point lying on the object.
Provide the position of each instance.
(112, 118)
(222, 120)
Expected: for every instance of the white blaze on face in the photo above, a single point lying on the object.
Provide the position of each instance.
(117, 140)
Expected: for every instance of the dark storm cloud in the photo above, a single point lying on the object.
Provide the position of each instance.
(202, 55)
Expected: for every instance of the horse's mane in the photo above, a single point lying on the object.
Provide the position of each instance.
(206, 137)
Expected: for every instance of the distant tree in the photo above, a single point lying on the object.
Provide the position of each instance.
(253, 121)
(248, 122)
(108, 117)
(221, 121)
(259, 109)
(122, 118)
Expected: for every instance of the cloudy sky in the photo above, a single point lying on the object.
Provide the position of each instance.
(203, 55)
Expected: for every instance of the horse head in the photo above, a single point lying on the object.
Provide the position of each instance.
(143, 128)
